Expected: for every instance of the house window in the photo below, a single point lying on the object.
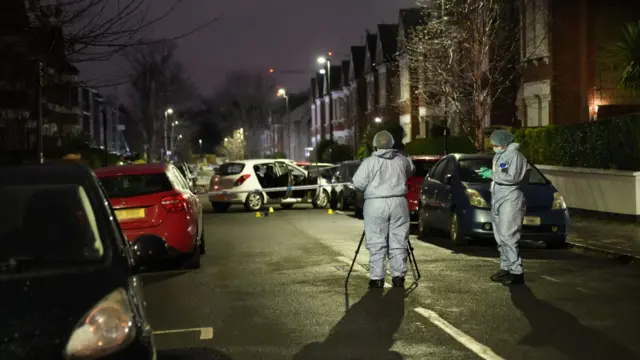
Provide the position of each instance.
(405, 86)
(382, 87)
(370, 92)
(535, 24)
(537, 96)
(405, 122)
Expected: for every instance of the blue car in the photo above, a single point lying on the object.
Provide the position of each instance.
(455, 199)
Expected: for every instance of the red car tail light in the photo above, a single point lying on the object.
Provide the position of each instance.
(241, 180)
(174, 204)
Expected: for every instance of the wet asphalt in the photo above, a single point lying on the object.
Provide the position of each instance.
(273, 288)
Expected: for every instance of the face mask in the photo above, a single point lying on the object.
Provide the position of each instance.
(498, 150)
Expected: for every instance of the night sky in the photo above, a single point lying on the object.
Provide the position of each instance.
(262, 34)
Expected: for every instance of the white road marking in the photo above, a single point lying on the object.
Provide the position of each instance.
(584, 290)
(549, 278)
(467, 341)
(359, 268)
(206, 333)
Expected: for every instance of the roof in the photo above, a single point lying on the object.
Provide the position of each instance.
(336, 77)
(372, 42)
(388, 34)
(132, 169)
(63, 172)
(357, 57)
(345, 72)
(472, 156)
(427, 157)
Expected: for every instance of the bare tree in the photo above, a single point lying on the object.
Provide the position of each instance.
(99, 29)
(247, 97)
(467, 55)
(157, 81)
(233, 147)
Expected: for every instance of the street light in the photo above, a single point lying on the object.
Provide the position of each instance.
(283, 93)
(200, 143)
(322, 61)
(378, 120)
(167, 112)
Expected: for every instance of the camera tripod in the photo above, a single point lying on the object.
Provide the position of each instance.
(412, 262)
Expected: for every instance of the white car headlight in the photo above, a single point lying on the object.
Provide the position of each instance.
(558, 202)
(106, 328)
(476, 199)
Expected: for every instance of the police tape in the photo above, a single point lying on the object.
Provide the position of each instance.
(277, 189)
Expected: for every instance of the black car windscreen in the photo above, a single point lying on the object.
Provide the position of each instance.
(469, 168)
(423, 167)
(123, 186)
(230, 169)
(47, 226)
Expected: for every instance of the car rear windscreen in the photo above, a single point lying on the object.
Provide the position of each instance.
(135, 185)
(230, 169)
(47, 226)
(423, 167)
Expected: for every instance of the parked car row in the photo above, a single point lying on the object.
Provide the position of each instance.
(446, 194)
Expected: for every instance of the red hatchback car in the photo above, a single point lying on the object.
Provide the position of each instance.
(157, 211)
(423, 164)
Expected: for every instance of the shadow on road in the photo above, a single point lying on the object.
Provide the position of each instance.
(551, 326)
(365, 332)
(156, 277)
(192, 354)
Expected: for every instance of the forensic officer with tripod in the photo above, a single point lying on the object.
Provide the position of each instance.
(383, 178)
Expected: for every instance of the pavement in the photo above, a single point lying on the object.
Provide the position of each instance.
(615, 238)
(273, 288)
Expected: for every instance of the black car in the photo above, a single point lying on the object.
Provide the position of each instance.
(454, 198)
(68, 277)
(344, 197)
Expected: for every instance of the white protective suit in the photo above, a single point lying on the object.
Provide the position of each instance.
(508, 205)
(383, 178)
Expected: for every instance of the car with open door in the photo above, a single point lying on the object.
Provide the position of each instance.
(455, 199)
(256, 175)
(70, 280)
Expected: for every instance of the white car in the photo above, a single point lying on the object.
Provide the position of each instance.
(259, 174)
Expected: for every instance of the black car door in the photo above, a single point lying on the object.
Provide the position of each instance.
(428, 192)
(443, 196)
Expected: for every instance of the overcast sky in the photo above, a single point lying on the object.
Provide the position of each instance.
(282, 34)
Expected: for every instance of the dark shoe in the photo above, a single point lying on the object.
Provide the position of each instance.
(498, 276)
(398, 282)
(376, 284)
(513, 279)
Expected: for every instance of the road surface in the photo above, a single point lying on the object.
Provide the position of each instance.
(273, 288)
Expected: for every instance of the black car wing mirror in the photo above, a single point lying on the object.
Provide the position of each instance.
(448, 180)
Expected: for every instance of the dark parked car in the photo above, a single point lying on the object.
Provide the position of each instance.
(343, 197)
(69, 278)
(456, 199)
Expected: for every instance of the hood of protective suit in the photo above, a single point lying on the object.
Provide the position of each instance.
(513, 146)
(386, 153)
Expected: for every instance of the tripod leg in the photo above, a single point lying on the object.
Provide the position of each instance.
(346, 281)
(412, 260)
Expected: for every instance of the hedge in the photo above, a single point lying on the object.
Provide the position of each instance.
(602, 144)
(435, 146)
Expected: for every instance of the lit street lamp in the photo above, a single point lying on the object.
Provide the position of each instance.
(283, 93)
(200, 143)
(327, 73)
(167, 112)
(378, 120)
